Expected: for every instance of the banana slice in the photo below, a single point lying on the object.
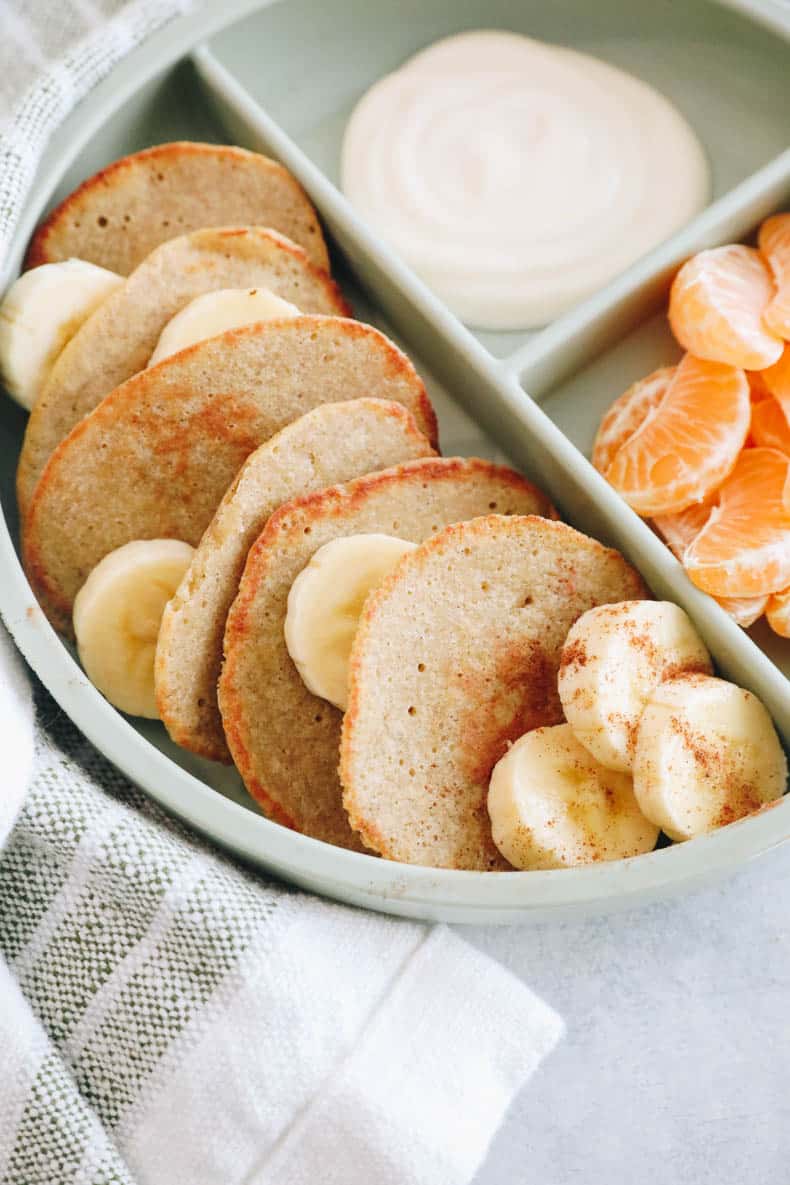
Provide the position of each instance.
(613, 658)
(552, 805)
(214, 312)
(706, 754)
(324, 607)
(117, 614)
(41, 312)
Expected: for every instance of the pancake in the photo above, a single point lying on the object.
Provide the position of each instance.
(283, 739)
(119, 215)
(456, 656)
(329, 444)
(155, 458)
(119, 338)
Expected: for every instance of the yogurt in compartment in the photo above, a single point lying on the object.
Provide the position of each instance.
(517, 177)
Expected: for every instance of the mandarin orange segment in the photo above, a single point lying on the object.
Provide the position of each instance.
(770, 428)
(778, 613)
(688, 443)
(777, 380)
(744, 611)
(716, 307)
(627, 414)
(680, 530)
(774, 243)
(758, 388)
(744, 548)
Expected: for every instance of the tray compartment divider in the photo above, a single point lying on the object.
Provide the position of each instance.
(575, 339)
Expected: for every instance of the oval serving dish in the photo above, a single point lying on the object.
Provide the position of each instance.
(283, 79)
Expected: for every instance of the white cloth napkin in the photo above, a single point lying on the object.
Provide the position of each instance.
(167, 1018)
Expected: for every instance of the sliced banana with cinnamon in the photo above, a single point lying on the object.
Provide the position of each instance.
(613, 658)
(706, 754)
(552, 805)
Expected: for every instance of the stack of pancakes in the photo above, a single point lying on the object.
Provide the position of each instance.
(258, 446)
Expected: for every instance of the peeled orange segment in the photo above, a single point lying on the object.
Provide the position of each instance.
(716, 307)
(778, 613)
(744, 548)
(770, 428)
(688, 444)
(777, 380)
(744, 611)
(758, 388)
(774, 242)
(627, 414)
(680, 530)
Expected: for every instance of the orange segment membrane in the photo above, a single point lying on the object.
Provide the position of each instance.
(627, 414)
(744, 611)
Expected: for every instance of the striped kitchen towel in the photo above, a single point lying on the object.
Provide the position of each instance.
(52, 52)
(168, 1018)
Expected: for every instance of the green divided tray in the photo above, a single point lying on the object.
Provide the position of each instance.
(283, 79)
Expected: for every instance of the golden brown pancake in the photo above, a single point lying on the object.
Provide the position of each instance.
(118, 216)
(456, 656)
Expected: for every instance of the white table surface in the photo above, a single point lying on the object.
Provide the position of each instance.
(675, 1069)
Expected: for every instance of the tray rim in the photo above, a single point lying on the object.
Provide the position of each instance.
(359, 879)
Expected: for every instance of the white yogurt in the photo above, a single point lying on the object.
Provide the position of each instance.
(517, 178)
